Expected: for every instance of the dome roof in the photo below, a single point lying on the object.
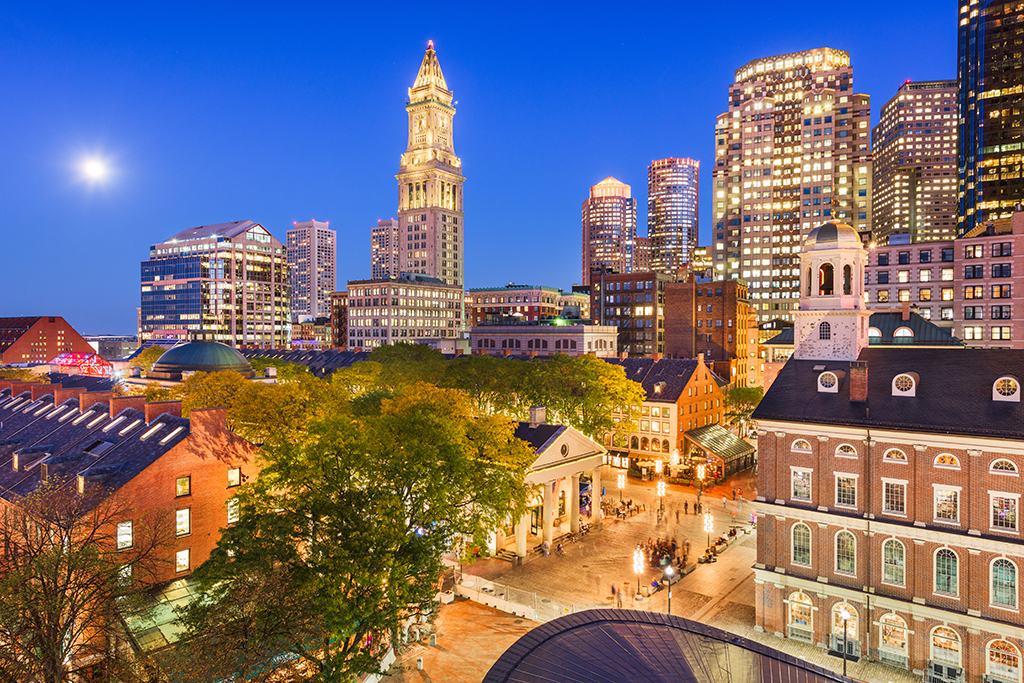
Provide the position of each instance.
(200, 357)
(831, 235)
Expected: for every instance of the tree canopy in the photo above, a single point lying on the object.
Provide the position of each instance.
(740, 402)
(147, 358)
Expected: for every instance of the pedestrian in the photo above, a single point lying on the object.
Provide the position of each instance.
(734, 494)
(740, 491)
(725, 502)
(614, 590)
(686, 507)
(677, 515)
(618, 599)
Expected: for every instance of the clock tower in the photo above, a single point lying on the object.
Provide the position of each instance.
(431, 229)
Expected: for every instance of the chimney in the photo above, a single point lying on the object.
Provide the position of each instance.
(700, 358)
(859, 380)
(19, 388)
(119, 403)
(61, 395)
(158, 408)
(623, 356)
(538, 415)
(88, 399)
(7, 384)
(906, 310)
(657, 357)
(40, 390)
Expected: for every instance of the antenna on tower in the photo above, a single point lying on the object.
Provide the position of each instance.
(430, 45)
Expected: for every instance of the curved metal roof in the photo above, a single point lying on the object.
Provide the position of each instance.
(202, 357)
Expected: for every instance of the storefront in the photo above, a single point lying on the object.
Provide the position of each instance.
(720, 450)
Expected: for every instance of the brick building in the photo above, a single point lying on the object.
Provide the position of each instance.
(966, 285)
(38, 339)
(339, 320)
(189, 468)
(528, 302)
(714, 319)
(635, 303)
(542, 339)
(410, 308)
(888, 490)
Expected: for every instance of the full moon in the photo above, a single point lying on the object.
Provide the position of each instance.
(94, 169)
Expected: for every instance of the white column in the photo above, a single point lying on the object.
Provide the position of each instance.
(522, 531)
(595, 495)
(574, 505)
(547, 516)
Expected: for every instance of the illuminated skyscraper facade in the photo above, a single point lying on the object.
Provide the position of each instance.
(672, 192)
(991, 104)
(792, 151)
(312, 258)
(914, 166)
(384, 249)
(430, 181)
(609, 228)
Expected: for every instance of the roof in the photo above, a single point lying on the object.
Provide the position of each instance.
(887, 322)
(11, 330)
(720, 441)
(634, 645)
(663, 380)
(201, 356)
(232, 229)
(954, 392)
(827, 235)
(430, 71)
(320, 363)
(540, 436)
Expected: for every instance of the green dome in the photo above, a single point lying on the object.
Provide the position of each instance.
(199, 357)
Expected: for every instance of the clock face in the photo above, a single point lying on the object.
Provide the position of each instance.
(442, 122)
(419, 122)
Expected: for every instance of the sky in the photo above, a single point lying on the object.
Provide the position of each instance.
(213, 112)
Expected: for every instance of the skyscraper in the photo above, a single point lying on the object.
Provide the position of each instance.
(384, 249)
(430, 181)
(672, 192)
(609, 228)
(226, 282)
(914, 167)
(792, 151)
(991, 105)
(312, 259)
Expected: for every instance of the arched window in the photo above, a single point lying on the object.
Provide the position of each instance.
(801, 445)
(801, 617)
(874, 333)
(845, 450)
(558, 343)
(1004, 583)
(846, 553)
(1006, 389)
(1002, 466)
(903, 335)
(894, 455)
(904, 385)
(634, 443)
(1003, 660)
(947, 460)
(827, 381)
(645, 444)
(824, 331)
(945, 645)
(894, 562)
(851, 621)
(947, 571)
(847, 280)
(801, 544)
(892, 639)
(826, 279)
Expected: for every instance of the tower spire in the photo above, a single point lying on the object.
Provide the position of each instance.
(429, 76)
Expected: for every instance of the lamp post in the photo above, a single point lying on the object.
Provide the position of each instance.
(674, 460)
(668, 578)
(845, 614)
(700, 476)
(622, 485)
(661, 494)
(709, 525)
(638, 567)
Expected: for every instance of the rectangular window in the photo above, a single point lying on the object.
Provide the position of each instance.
(801, 484)
(1002, 249)
(846, 490)
(973, 333)
(181, 561)
(234, 510)
(182, 486)
(1002, 270)
(883, 277)
(947, 274)
(904, 295)
(894, 498)
(183, 522)
(974, 251)
(925, 275)
(903, 276)
(977, 292)
(904, 257)
(1004, 511)
(947, 294)
(974, 312)
(946, 313)
(1000, 291)
(925, 256)
(124, 535)
(883, 259)
(1001, 312)
(924, 294)
(947, 504)
(974, 272)
(234, 477)
(883, 296)
(1001, 333)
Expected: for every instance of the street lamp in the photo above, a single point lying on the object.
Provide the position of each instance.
(668, 578)
(659, 465)
(700, 475)
(845, 614)
(638, 567)
(622, 485)
(674, 460)
(661, 494)
(709, 526)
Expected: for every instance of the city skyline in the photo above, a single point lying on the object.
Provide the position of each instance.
(162, 107)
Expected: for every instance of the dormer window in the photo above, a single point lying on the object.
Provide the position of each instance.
(1006, 389)
(903, 335)
(874, 333)
(828, 382)
(905, 384)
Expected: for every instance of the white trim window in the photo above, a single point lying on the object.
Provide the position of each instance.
(945, 646)
(1003, 661)
(894, 497)
(801, 483)
(801, 544)
(801, 617)
(846, 490)
(947, 461)
(846, 553)
(894, 562)
(234, 510)
(801, 446)
(947, 572)
(946, 503)
(845, 450)
(892, 639)
(183, 522)
(181, 561)
(1003, 583)
(1003, 508)
(1003, 466)
(895, 455)
(125, 535)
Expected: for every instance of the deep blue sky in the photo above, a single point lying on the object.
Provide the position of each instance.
(214, 112)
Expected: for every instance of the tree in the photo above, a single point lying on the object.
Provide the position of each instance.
(740, 402)
(23, 375)
(147, 358)
(64, 580)
(406, 363)
(340, 538)
(286, 372)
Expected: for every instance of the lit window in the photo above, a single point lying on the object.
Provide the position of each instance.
(895, 455)
(1004, 511)
(124, 535)
(846, 451)
(183, 522)
(904, 385)
(801, 484)
(1003, 661)
(234, 477)
(846, 490)
(181, 561)
(801, 445)
(183, 486)
(946, 646)
(1006, 389)
(947, 504)
(947, 460)
(894, 499)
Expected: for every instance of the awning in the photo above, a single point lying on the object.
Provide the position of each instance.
(721, 442)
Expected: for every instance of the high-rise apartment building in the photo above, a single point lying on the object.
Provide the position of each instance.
(226, 282)
(792, 151)
(672, 192)
(609, 228)
(312, 259)
(384, 249)
(635, 303)
(914, 166)
(408, 308)
(430, 181)
(991, 106)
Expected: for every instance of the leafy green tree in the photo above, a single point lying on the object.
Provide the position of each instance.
(406, 363)
(286, 372)
(147, 358)
(341, 536)
(22, 375)
(494, 385)
(740, 402)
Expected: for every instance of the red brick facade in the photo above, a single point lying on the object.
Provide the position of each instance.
(38, 339)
